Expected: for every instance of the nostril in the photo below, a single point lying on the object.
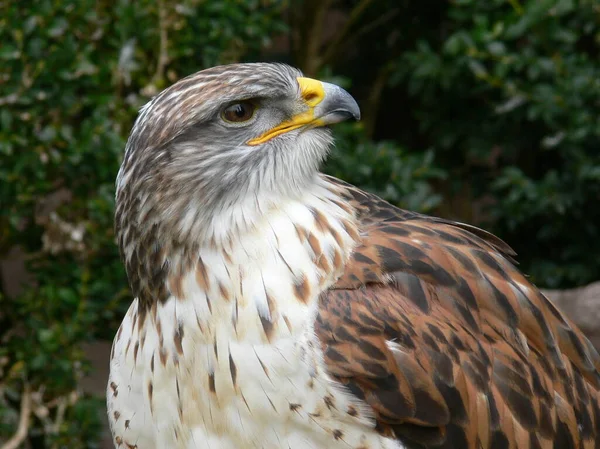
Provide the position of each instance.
(309, 96)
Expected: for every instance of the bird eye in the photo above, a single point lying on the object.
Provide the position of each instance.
(239, 112)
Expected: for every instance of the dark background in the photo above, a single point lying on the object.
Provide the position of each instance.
(486, 112)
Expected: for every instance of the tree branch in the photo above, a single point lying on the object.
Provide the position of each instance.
(374, 98)
(335, 45)
(373, 24)
(163, 54)
(23, 428)
(311, 23)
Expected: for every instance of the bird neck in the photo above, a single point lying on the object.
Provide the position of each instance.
(263, 284)
(258, 277)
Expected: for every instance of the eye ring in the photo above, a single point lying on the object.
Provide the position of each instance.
(239, 112)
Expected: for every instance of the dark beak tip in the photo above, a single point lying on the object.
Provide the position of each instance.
(353, 110)
(338, 106)
(353, 114)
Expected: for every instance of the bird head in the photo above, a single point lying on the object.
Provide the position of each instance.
(224, 138)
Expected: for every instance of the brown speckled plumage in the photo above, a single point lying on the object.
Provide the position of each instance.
(278, 308)
(434, 327)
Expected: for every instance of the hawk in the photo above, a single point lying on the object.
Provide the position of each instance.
(279, 308)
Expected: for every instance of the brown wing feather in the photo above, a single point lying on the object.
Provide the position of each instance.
(452, 347)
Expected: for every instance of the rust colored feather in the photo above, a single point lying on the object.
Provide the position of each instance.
(451, 346)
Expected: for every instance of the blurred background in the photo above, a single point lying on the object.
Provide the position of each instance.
(486, 112)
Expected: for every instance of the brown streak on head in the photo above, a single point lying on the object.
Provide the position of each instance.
(245, 402)
(208, 304)
(337, 237)
(179, 403)
(176, 285)
(202, 276)
(323, 264)
(158, 329)
(313, 241)
(268, 323)
(271, 402)
(232, 370)
(321, 221)
(344, 206)
(302, 289)
(150, 392)
(211, 382)
(285, 261)
(329, 402)
(153, 311)
(271, 304)
(178, 339)
(351, 230)
(338, 261)
(268, 327)
(265, 369)
(302, 233)
(224, 292)
(142, 312)
(294, 407)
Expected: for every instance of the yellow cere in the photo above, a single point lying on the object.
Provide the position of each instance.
(313, 93)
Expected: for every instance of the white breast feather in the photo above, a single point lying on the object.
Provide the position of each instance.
(228, 386)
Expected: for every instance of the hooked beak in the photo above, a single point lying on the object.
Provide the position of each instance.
(327, 104)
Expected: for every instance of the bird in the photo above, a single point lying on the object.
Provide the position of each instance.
(277, 307)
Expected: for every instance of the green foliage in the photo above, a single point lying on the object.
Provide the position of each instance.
(468, 106)
(384, 168)
(73, 76)
(520, 84)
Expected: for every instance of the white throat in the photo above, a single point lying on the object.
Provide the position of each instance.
(262, 284)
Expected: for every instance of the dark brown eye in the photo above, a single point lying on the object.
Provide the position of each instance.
(239, 112)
